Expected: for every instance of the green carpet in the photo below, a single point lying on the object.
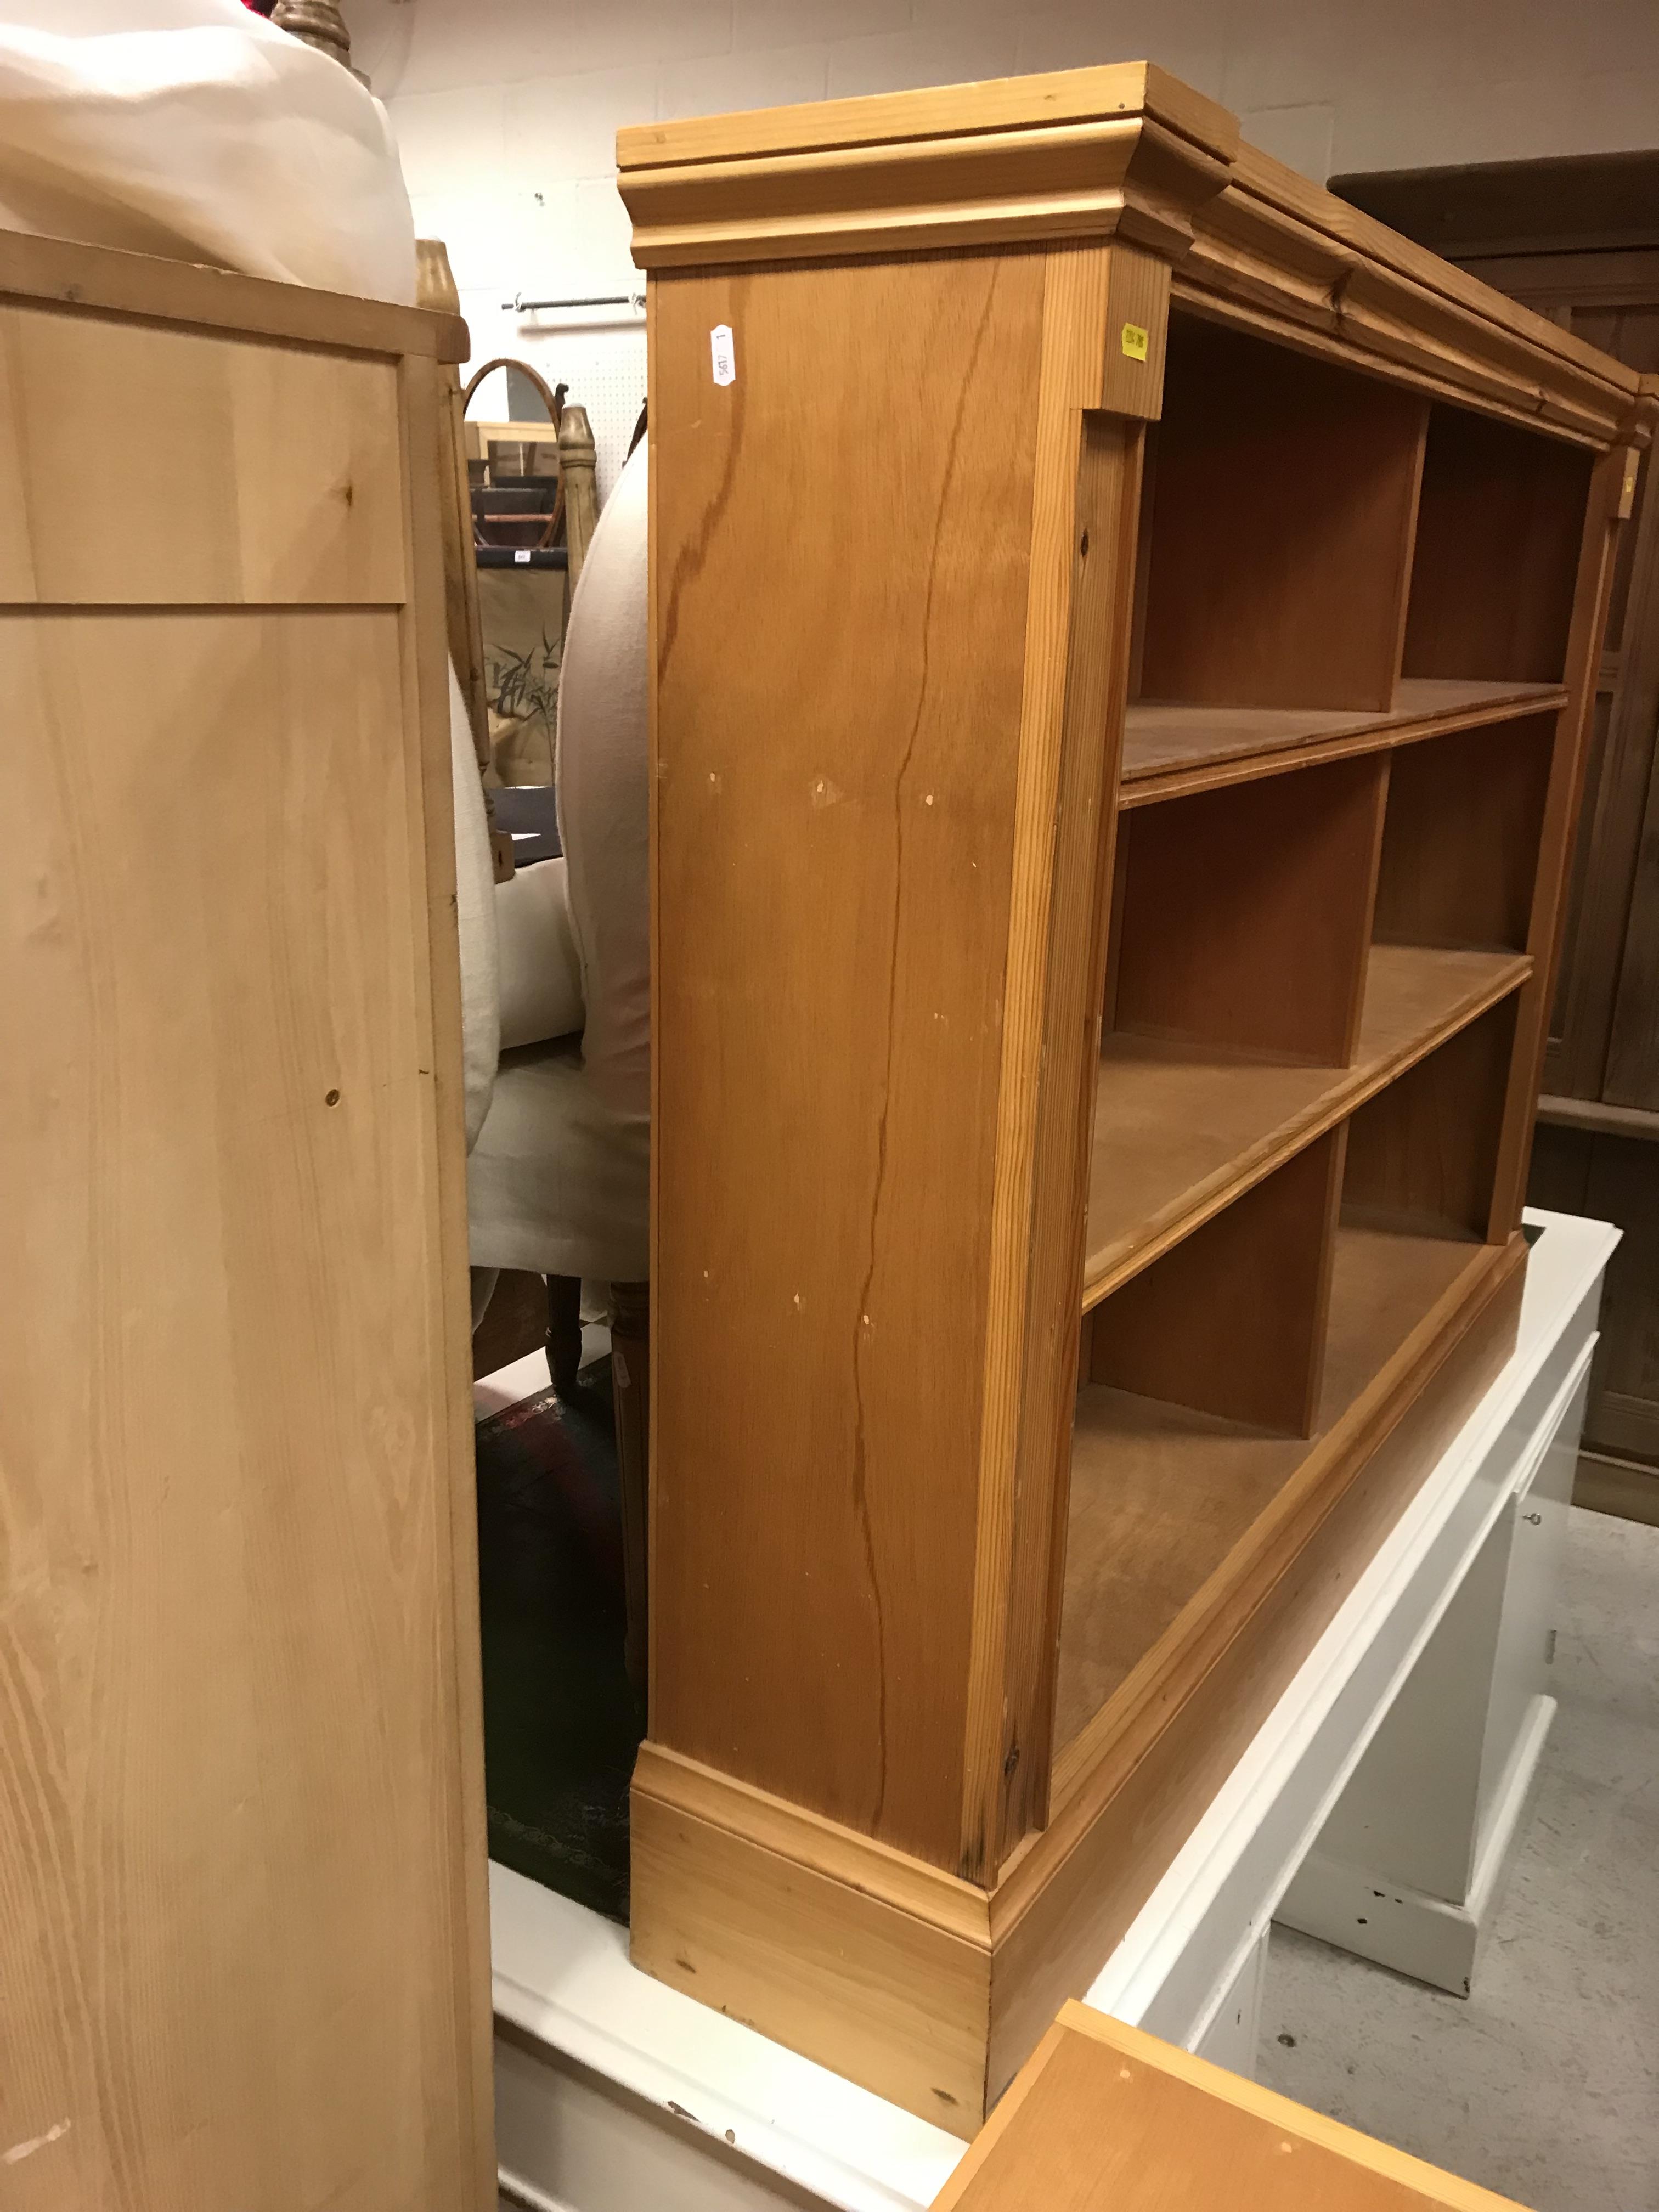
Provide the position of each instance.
(560, 1726)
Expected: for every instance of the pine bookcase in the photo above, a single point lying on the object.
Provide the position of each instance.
(1123, 625)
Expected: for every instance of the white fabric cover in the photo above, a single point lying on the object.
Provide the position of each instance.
(559, 1180)
(475, 920)
(541, 968)
(196, 130)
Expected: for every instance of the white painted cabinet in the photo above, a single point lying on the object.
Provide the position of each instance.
(1406, 1867)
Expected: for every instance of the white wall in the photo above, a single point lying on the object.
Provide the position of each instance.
(507, 110)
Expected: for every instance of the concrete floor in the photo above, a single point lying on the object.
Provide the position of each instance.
(1544, 2083)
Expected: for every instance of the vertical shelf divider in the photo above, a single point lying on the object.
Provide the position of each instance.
(1246, 914)
(1232, 1320)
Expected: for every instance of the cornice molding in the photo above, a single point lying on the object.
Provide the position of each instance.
(1086, 153)
(1125, 151)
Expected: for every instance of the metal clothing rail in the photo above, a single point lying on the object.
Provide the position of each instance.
(519, 304)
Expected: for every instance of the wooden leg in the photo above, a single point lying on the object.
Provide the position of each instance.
(564, 1332)
(630, 1369)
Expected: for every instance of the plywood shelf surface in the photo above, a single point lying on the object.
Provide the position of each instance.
(1171, 749)
(1160, 1495)
(1180, 1130)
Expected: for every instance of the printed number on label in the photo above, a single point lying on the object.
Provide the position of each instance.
(723, 354)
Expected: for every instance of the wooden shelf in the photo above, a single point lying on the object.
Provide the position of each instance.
(1161, 1495)
(1180, 1130)
(1170, 750)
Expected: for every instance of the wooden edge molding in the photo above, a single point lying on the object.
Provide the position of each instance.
(1367, 733)
(1003, 2115)
(929, 1990)
(1275, 183)
(1599, 1118)
(1299, 2121)
(1070, 1892)
(1112, 90)
(869, 1987)
(1090, 153)
(57, 272)
(1239, 1175)
(1276, 246)
(1196, 1638)
(860, 1862)
(1520, 403)
(1619, 1486)
(1059, 181)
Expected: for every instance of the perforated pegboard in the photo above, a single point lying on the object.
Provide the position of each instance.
(604, 370)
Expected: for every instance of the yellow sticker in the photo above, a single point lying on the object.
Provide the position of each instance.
(1134, 340)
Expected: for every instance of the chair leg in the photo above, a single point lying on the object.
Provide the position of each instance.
(630, 1384)
(564, 1332)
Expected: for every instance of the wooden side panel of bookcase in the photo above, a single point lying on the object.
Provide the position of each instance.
(837, 757)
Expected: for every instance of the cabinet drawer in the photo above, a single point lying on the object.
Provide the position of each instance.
(184, 468)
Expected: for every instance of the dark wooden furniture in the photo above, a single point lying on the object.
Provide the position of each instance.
(1578, 239)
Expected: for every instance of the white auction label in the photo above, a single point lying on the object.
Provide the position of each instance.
(723, 354)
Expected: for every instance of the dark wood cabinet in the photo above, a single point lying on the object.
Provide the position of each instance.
(1578, 239)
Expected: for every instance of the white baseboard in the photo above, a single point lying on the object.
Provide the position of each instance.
(1231, 2026)
(1433, 1939)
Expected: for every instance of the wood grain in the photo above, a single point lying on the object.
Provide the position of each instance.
(1179, 1131)
(886, 827)
(1433, 284)
(250, 475)
(463, 625)
(1132, 1785)
(1598, 539)
(826, 1120)
(1131, 346)
(1460, 842)
(1170, 750)
(1275, 252)
(1233, 1320)
(1085, 499)
(1281, 522)
(1107, 506)
(1619, 747)
(1399, 1304)
(1057, 98)
(1246, 916)
(939, 164)
(1161, 1493)
(1495, 381)
(1423, 1153)
(884, 1995)
(886, 1984)
(107, 280)
(230, 1724)
(1631, 1075)
(1602, 1120)
(1497, 553)
(1609, 1176)
(463, 1916)
(1121, 176)
(1102, 2114)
